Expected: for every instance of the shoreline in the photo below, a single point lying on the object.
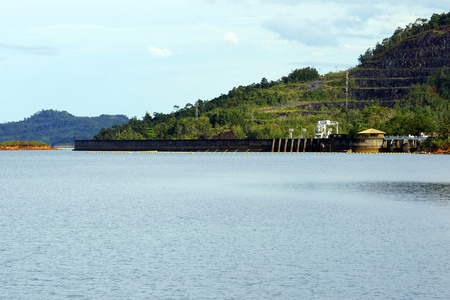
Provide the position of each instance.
(24, 147)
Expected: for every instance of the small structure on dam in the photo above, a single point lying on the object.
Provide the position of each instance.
(372, 133)
(324, 129)
(369, 140)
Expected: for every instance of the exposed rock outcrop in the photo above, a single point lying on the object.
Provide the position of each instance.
(392, 75)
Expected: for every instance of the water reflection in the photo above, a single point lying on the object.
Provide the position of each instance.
(410, 191)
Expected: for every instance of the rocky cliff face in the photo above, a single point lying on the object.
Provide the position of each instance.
(391, 75)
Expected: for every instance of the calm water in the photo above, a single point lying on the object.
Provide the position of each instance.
(223, 226)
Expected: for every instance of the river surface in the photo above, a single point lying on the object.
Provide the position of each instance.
(77, 225)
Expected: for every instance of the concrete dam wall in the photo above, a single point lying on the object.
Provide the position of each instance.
(233, 145)
(229, 145)
(336, 143)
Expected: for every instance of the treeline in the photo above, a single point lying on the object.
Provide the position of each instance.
(425, 110)
(23, 143)
(239, 110)
(57, 127)
(270, 109)
(400, 34)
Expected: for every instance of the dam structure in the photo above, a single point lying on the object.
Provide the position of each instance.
(334, 143)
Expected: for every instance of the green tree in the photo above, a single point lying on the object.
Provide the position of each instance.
(264, 83)
(440, 81)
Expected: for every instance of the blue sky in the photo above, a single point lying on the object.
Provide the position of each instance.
(92, 57)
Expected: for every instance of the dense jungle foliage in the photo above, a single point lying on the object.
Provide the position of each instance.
(57, 127)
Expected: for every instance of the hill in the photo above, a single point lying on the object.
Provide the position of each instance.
(402, 86)
(395, 70)
(57, 127)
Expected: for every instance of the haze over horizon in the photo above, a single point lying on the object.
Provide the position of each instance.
(128, 57)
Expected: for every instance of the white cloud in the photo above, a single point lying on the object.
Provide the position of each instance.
(314, 33)
(159, 52)
(32, 49)
(231, 38)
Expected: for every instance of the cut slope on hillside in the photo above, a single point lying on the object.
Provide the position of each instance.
(393, 74)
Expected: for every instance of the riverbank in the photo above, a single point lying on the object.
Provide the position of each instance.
(25, 147)
(442, 151)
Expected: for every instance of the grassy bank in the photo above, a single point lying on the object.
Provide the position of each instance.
(25, 145)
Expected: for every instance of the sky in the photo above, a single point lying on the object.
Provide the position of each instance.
(93, 57)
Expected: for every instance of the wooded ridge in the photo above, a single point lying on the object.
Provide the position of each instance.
(57, 127)
(401, 86)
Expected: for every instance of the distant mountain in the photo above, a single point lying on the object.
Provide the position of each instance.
(57, 127)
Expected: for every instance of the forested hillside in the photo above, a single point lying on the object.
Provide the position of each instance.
(402, 86)
(57, 127)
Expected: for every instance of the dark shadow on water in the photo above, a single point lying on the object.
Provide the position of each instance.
(410, 191)
(438, 193)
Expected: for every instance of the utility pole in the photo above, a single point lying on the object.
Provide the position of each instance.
(346, 89)
(196, 110)
(346, 94)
